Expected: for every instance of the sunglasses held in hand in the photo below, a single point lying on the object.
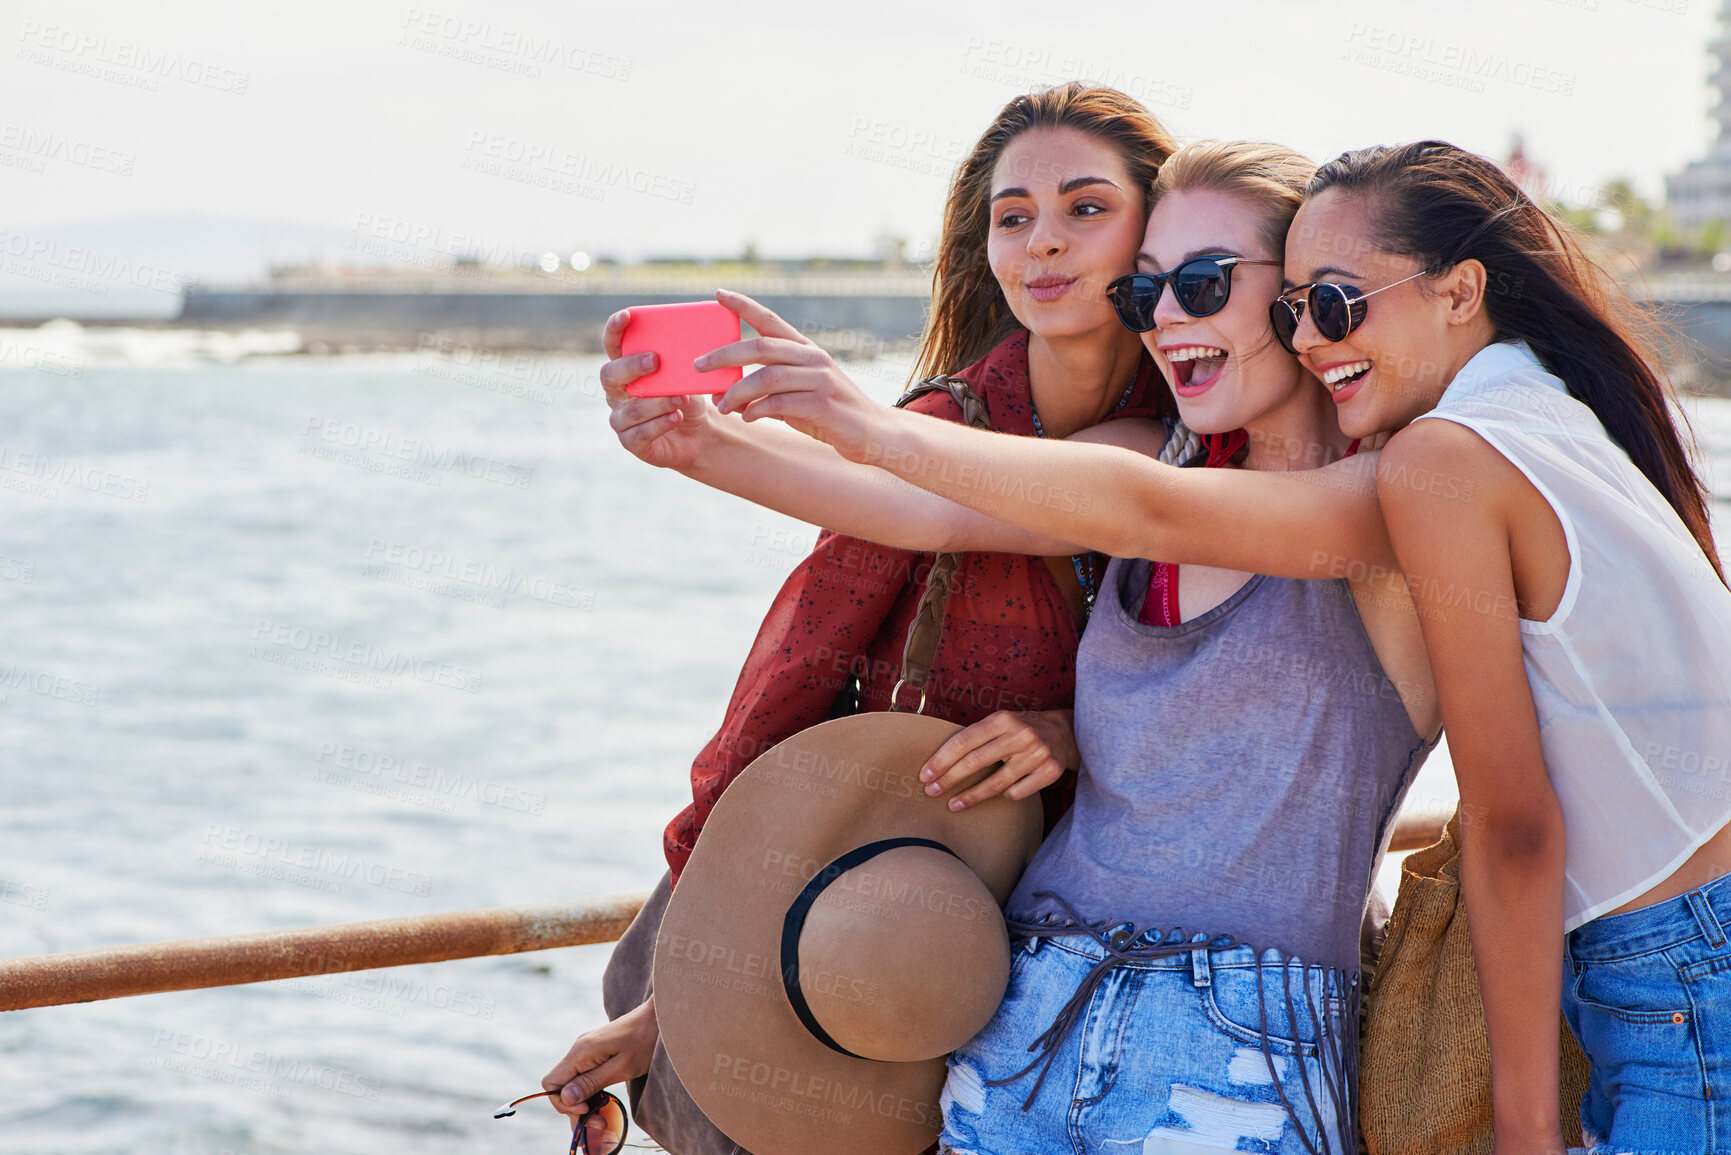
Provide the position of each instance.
(600, 1130)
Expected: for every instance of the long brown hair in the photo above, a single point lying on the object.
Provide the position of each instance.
(969, 313)
(1444, 205)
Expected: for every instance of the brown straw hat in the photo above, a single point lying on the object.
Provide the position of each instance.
(825, 879)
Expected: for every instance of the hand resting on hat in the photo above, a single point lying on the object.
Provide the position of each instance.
(1035, 747)
(615, 1053)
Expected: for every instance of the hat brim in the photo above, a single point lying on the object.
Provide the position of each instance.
(725, 1019)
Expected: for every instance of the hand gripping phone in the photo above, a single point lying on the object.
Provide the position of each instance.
(679, 334)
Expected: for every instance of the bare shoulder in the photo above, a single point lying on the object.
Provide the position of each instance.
(1433, 442)
(1437, 451)
(1138, 433)
(1437, 463)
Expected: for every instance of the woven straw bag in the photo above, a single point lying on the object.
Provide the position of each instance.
(1424, 1062)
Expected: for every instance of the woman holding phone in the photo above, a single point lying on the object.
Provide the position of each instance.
(1246, 738)
(1048, 208)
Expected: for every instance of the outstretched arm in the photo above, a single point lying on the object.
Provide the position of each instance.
(1304, 524)
(1313, 523)
(1512, 836)
(773, 466)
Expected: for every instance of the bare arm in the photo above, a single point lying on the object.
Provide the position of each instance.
(1304, 524)
(773, 466)
(1512, 836)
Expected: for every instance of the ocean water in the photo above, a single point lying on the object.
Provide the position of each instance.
(294, 641)
(266, 671)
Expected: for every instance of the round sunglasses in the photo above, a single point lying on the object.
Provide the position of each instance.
(1201, 285)
(601, 1130)
(1335, 310)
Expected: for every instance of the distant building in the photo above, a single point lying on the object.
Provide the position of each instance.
(1701, 193)
(1525, 172)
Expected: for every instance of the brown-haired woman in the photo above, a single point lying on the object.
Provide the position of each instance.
(1556, 540)
(1046, 210)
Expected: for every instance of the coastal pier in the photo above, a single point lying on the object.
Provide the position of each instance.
(857, 314)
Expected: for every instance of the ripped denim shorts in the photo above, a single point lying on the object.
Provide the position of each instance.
(1194, 1050)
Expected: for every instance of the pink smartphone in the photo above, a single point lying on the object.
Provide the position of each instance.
(679, 334)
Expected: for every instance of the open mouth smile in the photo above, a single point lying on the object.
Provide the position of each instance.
(1338, 377)
(1195, 367)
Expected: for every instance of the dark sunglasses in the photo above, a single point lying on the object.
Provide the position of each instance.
(1201, 285)
(603, 1124)
(1335, 310)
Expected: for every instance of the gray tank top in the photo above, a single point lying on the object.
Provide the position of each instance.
(1240, 771)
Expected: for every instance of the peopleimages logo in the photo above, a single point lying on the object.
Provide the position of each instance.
(483, 576)
(361, 656)
(54, 471)
(503, 47)
(253, 1068)
(338, 435)
(78, 266)
(43, 359)
(432, 246)
(22, 894)
(122, 61)
(48, 684)
(226, 845)
(40, 146)
(437, 783)
(529, 376)
(1425, 57)
(498, 154)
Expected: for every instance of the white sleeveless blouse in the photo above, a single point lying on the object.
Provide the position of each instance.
(1632, 673)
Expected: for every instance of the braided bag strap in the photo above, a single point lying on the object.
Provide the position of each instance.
(927, 629)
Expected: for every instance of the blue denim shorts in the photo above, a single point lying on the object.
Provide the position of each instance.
(1648, 994)
(1168, 1055)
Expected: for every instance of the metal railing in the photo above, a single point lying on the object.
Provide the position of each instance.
(120, 971)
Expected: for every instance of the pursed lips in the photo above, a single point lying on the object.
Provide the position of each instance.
(1049, 287)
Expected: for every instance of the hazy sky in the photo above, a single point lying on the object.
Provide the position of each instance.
(638, 129)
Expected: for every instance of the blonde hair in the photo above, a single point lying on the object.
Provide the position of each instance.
(969, 314)
(1271, 177)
